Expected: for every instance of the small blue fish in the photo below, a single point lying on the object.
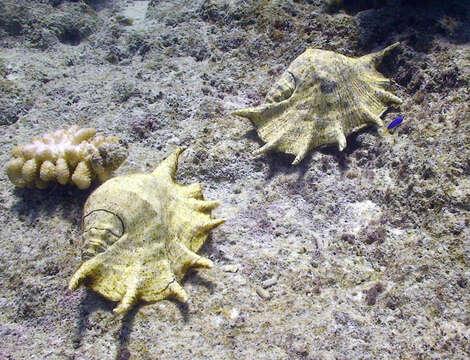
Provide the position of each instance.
(395, 123)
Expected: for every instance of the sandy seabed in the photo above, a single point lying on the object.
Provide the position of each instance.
(363, 254)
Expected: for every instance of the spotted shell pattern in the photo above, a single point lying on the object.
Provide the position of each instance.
(141, 233)
(72, 156)
(321, 98)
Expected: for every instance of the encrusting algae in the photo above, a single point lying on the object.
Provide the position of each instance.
(141, 234)
(72, 156)
(320, 99)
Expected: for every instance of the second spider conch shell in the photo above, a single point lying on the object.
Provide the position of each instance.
(141, 234)
(320, 99)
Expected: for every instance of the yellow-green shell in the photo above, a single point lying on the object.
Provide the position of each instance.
(320, 99)
(141, 235)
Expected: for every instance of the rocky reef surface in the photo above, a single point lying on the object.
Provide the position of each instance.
(361, 254)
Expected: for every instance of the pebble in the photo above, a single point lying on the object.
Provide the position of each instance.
(230, 268)
(234, 313)
(263, 293)
(269, 282)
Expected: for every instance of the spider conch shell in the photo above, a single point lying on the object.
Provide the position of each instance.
(320, 99)
(141, 233)
(72, 156)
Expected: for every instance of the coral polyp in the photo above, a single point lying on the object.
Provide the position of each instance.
(141, 234)
(74, 156)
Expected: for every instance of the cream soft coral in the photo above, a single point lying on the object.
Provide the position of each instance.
(73, 156)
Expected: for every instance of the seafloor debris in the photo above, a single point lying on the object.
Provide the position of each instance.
(65, 156)
(321, 97)
(263, 293)
(141, 235)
